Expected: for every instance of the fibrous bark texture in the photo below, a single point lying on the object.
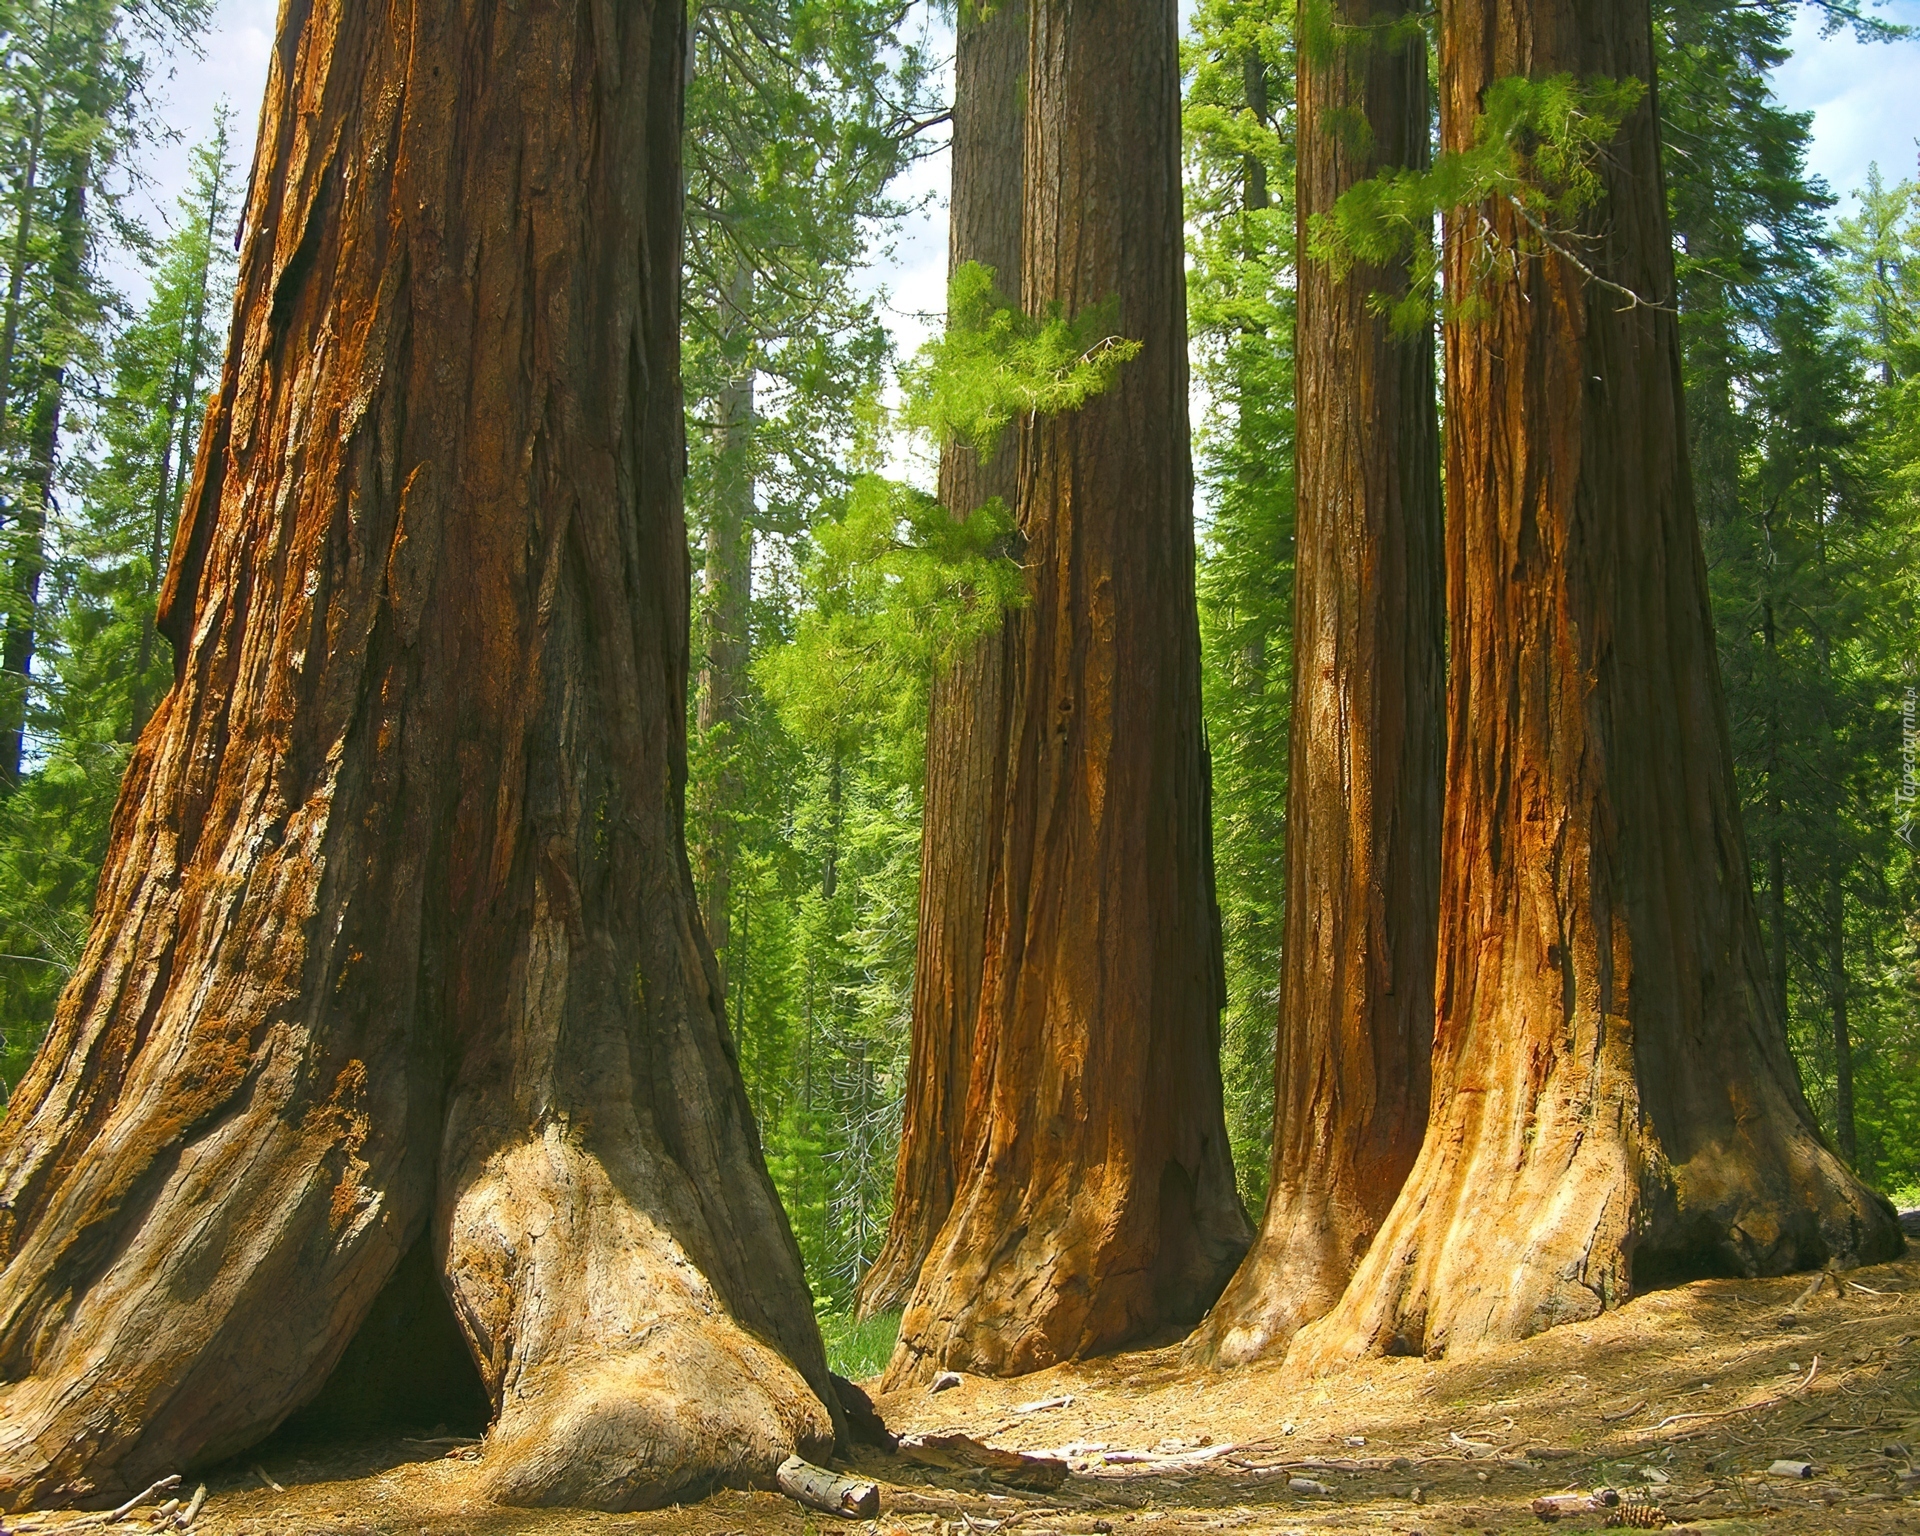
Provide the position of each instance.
(967, 715)
(1613, 1100)
(1368, 727)
(1097, 1203)
(396, 929)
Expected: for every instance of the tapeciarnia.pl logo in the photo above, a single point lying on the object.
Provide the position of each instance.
(1907, 791)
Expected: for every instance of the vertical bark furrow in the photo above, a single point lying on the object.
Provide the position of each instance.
(1363, 812)
(968, 710)
(1097, 1202)
(1613, 1100)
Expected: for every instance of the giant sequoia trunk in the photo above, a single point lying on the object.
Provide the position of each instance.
(967, 717)
(396, 929)
(1613, 1101)
(1096, 1203)
(1363, 801)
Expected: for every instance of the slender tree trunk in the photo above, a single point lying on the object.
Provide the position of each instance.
(29, 535)
(1613, 1099)
(1099, 1206)
(23, 232)
(1776, 845)
(183, 399)
(396, 931)
(25, 570)
(23, 584)
(1836, 947)
(1367, 733)
(967, 716)
(723, 670)
(1253, 169)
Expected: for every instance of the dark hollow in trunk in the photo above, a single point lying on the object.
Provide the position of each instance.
(396, 931)
(408, 1369)
(1612, 1091)
(1367, 735)
(967, 715)
(1096, 1204)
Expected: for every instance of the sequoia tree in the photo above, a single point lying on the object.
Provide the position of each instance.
(967, 712)
(1363, 806)
(1096, 1202)
(396, 932)
(1613, 1100)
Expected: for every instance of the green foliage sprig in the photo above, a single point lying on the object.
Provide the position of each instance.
(1536, 147)
(898, 586)
(994, 362)
(1325, 37)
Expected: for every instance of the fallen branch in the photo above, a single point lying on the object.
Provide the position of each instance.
(171, 1480)
(817, 1488)
(1163, 1461)
(261, 1473)
(1553, 1505)
(1615, 1418)
(192, 1512)
(962, 1453)
(1681, 1418)
(108, 1517)
(1727, 1413)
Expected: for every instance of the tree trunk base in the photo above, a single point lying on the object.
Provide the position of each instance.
(1524, 1213)
(1080, 1279)
(696, 1406)
(1294, 1273)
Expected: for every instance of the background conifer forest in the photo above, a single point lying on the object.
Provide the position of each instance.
(828, 591)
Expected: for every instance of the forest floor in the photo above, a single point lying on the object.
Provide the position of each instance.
(1683, 1398)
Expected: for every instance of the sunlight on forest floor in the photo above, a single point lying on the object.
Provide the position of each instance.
(1684, 1396)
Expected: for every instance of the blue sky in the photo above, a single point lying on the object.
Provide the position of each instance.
(1865, 100)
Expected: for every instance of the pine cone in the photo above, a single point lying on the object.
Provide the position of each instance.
(1637, 1516)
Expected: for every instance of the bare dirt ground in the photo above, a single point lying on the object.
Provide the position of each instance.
(1682, 1399)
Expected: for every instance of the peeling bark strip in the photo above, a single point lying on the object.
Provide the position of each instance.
(967, 714)
(1363, 800)
(1612, 1096)
(396, 926)
(1097, 1202)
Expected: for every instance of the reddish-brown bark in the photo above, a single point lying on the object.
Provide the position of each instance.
(1613, 1101)
(396, 930)
(1096, 1203)
(967, 717)
(1367, 734)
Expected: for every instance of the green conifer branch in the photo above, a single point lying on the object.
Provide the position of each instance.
(1537, 147)
(995, 362)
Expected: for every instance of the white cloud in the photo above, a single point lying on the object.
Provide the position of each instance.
(1865, 99)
